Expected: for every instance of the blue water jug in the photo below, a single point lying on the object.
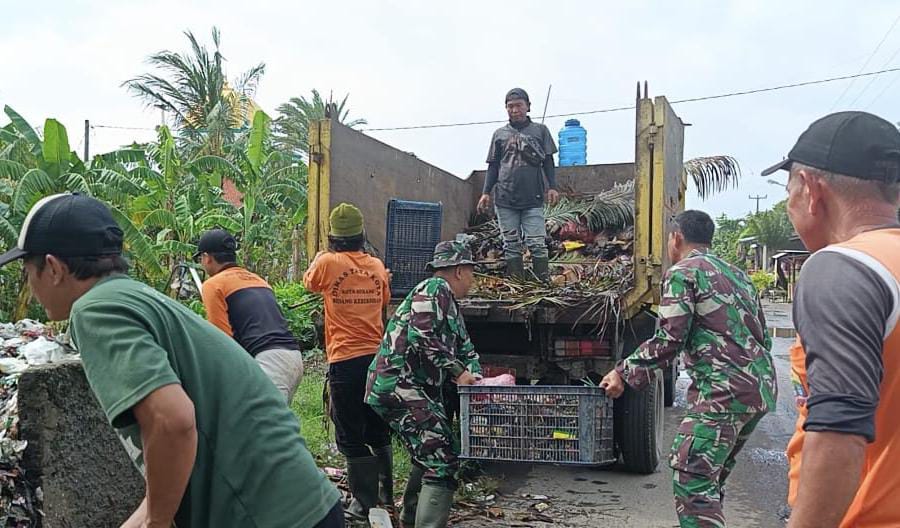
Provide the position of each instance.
(572, 144)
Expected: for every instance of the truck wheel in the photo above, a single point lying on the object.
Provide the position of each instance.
(669, 381)
(638, 426)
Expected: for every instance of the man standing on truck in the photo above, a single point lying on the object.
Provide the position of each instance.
(425, 344)
(209, 433)
(711, 312)
(843, 194)
(243, 306)
(356, 291)
(520, 172)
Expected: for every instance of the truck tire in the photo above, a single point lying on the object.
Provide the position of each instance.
(638, 426)
(669, 380)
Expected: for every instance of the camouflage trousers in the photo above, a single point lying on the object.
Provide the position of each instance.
(426, 432)
(703, 455)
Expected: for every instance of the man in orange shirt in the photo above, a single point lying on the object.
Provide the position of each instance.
(843, 194)
(243, 306)
(356, 291)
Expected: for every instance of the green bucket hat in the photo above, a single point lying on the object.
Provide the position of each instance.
(450, 253)
(346, 221)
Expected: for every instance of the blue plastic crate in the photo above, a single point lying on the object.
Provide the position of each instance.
(537, 423)
(412, 231)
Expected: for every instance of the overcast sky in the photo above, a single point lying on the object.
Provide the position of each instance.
(408, 63)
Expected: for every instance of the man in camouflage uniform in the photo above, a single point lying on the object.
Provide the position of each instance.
(426, 343)
(710, 311)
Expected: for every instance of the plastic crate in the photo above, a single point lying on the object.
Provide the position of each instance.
(412, 231)
(537, 423)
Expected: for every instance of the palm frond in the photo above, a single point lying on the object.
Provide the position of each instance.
(609, 210)
(713, 174)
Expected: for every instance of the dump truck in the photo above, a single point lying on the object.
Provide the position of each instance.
(346, 165)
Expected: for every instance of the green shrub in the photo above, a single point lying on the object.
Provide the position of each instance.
(302, 309)
(762, 280)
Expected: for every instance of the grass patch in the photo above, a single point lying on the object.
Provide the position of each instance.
(307, 405)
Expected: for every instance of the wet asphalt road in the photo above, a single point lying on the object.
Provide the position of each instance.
(582, 497)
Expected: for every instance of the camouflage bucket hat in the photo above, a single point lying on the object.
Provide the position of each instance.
(450, 253)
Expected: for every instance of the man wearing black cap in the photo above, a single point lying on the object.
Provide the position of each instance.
(210, 434)
(243, 305)
(843, 195)
(520, 172)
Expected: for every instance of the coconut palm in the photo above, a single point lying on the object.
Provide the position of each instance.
(194, 88)
(292, 126)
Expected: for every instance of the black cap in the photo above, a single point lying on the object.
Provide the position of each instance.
(856, 144)
(216, 241)
(516, 93)
(67, 225)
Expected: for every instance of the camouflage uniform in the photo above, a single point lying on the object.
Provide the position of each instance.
(711, 311)
(425, 344)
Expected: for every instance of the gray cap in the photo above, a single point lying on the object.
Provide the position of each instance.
(516, 93)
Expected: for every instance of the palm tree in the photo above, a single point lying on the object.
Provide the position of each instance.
(195, 90)
(771, 228)
(292, 126)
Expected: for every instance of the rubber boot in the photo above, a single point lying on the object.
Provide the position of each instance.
(540, 266)
(385, 475)
(411, 497)
(362, 478)
(434, 506)
(515, 268)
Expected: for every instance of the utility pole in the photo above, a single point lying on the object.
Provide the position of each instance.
(546, 102)
(758, 198)
(87, 140)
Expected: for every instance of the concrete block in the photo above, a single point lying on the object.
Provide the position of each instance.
(73, 453)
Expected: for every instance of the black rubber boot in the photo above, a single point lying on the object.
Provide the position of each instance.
(540, 266)
(411, 497)
(515, 268)
(434, 506)
(385, 475)
(362, 478)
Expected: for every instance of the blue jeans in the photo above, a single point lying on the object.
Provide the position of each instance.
(516, 224)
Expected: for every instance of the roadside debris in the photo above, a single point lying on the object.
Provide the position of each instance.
(23, 344)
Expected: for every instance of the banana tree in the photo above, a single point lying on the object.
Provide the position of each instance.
(273, 195)
(178, 200)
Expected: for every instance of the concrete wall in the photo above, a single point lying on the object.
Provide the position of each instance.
(368, 173)
(73, 453)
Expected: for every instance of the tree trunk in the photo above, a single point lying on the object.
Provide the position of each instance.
(22, 302)
(295, 254)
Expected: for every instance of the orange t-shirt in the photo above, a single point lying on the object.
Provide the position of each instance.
(355, 287)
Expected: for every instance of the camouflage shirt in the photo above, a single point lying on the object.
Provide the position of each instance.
(711, 311)
(424, 344)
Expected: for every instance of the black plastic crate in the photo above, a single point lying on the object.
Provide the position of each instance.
(537, 423)
(413, 229)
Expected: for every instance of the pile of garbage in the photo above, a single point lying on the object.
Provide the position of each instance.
(591, 241)
(23, 344)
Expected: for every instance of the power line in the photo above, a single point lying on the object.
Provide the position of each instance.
(863, 67)
(631, 107)
(886, 88)
(123, 127)
(872, 80)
